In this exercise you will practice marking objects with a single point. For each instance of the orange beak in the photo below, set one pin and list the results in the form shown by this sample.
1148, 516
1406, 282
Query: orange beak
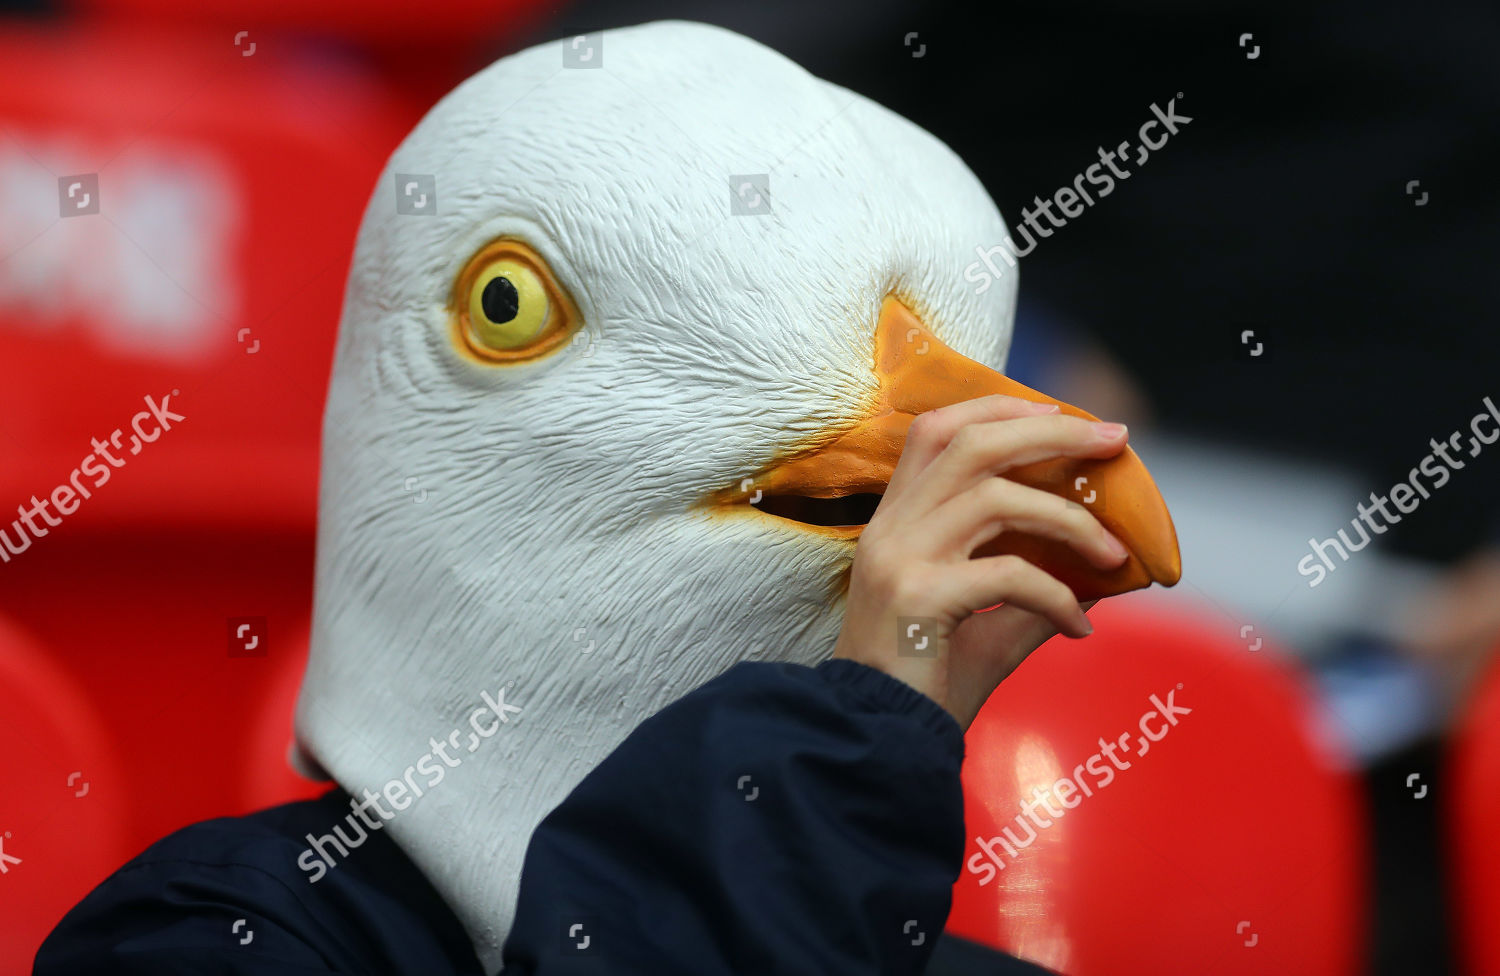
916, 372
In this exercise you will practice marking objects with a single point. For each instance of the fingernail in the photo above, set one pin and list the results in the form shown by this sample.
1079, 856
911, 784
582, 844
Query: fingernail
1116, 547
1109, 432
1088, 628
1041, 408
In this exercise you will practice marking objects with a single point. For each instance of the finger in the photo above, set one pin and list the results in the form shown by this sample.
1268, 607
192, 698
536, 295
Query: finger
982, 450
1017, 631
997, 505
1020, 631
1011, 627
1002, 640
1009, 579
930, 432
985, 649
1006, 629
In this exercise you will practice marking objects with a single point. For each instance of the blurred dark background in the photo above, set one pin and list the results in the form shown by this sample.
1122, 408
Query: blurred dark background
234, 147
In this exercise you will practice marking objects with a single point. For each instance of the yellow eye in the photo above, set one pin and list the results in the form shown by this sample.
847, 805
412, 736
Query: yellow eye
508, 307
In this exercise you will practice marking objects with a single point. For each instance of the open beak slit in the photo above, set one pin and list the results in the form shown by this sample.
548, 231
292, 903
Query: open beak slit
847, 511
835, 483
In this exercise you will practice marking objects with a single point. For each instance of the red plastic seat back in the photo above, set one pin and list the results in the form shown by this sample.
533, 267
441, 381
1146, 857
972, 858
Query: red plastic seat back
1203, 826
1473, 814
177, 225
459, 25
65, 805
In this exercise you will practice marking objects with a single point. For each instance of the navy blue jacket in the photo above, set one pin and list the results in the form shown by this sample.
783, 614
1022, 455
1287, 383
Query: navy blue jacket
779, 819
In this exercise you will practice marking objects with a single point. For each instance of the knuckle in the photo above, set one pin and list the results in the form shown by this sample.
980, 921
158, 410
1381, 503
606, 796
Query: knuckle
966, 441
1007, 441
878, 570
997, 493
904, 591
871, 550
1056, 593
1011, 568
928, 428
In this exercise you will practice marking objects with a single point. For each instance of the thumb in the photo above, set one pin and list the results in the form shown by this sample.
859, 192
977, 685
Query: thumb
988, 646
1008, 631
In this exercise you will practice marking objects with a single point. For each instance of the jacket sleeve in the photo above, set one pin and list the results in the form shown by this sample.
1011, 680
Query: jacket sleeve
779, 819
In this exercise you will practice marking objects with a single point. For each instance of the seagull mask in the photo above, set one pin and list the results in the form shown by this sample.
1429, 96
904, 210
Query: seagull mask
609, 409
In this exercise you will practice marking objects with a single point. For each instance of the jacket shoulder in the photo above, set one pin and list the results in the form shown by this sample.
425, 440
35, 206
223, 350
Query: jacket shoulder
239, 895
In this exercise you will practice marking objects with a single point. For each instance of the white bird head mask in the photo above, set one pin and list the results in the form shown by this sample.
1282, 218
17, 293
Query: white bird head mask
619, 302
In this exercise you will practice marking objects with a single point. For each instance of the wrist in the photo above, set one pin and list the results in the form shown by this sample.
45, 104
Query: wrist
875, 689
927, 676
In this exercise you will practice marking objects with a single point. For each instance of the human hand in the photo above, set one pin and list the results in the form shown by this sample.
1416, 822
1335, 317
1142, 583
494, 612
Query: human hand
948, 496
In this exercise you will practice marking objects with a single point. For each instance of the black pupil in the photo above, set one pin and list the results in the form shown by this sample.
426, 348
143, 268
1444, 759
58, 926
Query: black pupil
500, 300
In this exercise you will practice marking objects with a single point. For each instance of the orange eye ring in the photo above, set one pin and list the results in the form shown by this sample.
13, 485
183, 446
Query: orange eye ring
524, 332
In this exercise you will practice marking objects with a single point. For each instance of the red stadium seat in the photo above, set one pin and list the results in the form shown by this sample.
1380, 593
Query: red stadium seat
228, 193
1473, 816
209, 282
455, 24
65, 807
1206, 827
